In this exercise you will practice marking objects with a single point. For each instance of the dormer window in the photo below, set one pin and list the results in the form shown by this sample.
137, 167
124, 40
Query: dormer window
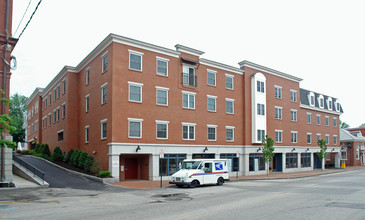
337, 105
311, 99
329, 103
321, 101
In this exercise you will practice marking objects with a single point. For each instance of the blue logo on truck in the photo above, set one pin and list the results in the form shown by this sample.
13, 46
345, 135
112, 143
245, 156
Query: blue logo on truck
218, 166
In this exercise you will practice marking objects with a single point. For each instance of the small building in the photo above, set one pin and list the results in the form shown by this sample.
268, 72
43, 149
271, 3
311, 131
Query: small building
352, 147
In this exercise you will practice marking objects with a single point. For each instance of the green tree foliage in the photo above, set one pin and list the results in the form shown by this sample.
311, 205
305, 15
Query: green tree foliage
57, 154
268, 150
69, 154
45, 150
82, 157
88, 163
37, 148
17, 108
75, 158
344, 125
322, 152
4, 124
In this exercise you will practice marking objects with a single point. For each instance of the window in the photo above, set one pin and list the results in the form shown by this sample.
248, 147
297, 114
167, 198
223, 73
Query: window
318, 119
357, 152
189, 77
261, 109
327, 120
229, 106
104, 92
327, 139
278, 92
212, 132
278, 112
50, 99
162, 66
334, 122
87, 80
212, 100
87, 103
309, 118
293, 95
309, 138
58, 113
135, 92
63, 110
293, 115
45, 103
260, 86
161, 129
256, 162
135, 128
87, 134
291, 160
311, 99
229, 133
278, 136
294, 137
234, 165
104, 62
318, 137
188, 100
343, 152
260, 135
170, 163
162, 95
329, 103
229, 81
103, 128
211, 77
58, 91
334, 139
60, 135
135, 60
54, 116
54, 94
63, 86
305, 159
49, 119
321, 101
188, 131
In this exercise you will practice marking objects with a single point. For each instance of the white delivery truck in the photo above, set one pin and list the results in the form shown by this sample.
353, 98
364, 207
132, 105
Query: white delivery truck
197, 172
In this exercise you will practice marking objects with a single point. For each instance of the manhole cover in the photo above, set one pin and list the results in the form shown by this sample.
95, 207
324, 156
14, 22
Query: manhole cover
172, 197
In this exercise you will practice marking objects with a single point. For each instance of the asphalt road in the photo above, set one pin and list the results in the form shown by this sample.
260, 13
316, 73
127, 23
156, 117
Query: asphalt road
332, 196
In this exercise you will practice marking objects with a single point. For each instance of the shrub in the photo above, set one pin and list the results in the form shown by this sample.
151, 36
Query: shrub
95, 167
104, 174
75, 157
69, 154
45, 150
27, 152
37, 148
82, 158
57, 154
88, 163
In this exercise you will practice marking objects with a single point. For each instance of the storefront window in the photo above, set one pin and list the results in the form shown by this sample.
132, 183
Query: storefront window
170, 163
291, 160
233, 162
256, 162
305, 159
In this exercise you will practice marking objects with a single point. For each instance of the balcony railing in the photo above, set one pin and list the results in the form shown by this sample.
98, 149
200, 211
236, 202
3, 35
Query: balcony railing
189, 79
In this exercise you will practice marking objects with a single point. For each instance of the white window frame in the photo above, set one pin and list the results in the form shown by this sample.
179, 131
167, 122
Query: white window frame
329, 103
278, 136
215, 132
343, 150
136, 53
327, 139
64, 110
87, 76
159, 88
279, 94
294, 137
102, 93
215, 77
140, 126
319, 136
230, 100
292, 91
167, 129
167, 66
63, 138
87, 134
261, 88
188, 125
310, 118
294, 115
327, 120
357, 152
102, 62
310, 97
320, 101
230, 128
279, 109
334, 121
334, 139
310, 139
215, 103
87, 103
189, 94
261, 137
318, 122
49, 119
63, 86
129, 90
231, 77
101, 129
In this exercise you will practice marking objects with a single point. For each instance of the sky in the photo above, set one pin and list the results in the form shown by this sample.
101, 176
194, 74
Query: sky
322, 42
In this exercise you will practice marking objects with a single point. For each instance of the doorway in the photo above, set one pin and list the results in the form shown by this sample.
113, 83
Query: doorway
131, 168
277, 163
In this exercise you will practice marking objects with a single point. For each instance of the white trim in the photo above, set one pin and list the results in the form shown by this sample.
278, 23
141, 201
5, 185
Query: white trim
167, 129
105, 53
162, 58
190, 93
135, 83
162, 88
139, 120
221, 66
215, 132
213, 71
59, 131
162, 122
135, 52
230, 127
215, 77
101, 129
310, 139
320, 110
104, 85
209, 125
212, 96
87, 127
215, 103
291, 133
281, 132
129, 91
103, 120
167, 95
135, 119
188, 123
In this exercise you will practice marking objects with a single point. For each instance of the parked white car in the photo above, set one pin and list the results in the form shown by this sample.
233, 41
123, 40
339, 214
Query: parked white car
197, 172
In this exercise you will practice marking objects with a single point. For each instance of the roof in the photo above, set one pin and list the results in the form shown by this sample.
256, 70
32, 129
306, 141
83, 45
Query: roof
305, 101
347, 136
33, 95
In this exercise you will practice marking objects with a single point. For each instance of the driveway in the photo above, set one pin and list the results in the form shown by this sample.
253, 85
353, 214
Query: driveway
58, 178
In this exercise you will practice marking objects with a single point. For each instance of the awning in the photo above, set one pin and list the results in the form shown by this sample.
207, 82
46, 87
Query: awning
33, 141
189, 61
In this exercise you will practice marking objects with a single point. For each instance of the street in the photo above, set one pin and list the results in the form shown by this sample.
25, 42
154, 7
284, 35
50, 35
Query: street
332, 196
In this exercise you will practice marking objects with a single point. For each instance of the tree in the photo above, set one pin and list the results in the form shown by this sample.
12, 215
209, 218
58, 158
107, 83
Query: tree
344, 125
322, 152
17, 108
4, 124
268, 150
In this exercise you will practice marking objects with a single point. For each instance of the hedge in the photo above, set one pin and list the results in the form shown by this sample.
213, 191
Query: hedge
57, 154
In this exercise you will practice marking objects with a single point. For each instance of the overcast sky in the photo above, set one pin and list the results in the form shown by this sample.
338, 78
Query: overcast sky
322, 42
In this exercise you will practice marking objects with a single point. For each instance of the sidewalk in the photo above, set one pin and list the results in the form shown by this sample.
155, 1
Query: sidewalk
149, 184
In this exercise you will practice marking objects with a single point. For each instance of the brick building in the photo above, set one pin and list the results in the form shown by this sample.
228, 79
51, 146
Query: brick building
352, 146
129, 103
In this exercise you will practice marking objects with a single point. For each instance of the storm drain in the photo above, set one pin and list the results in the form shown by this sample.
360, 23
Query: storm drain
171, 197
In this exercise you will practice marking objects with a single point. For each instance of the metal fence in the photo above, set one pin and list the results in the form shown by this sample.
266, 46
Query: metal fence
26, 165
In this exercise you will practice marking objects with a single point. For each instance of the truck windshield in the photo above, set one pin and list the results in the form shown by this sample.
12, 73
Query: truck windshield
190, 164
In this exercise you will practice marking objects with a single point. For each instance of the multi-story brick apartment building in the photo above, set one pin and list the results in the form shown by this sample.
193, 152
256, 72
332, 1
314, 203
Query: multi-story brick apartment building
138, 107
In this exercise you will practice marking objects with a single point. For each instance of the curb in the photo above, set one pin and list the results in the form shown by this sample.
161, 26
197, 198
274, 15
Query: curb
102, 180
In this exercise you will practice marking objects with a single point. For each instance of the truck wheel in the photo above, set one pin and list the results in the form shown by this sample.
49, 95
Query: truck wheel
194, 183
220, 181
